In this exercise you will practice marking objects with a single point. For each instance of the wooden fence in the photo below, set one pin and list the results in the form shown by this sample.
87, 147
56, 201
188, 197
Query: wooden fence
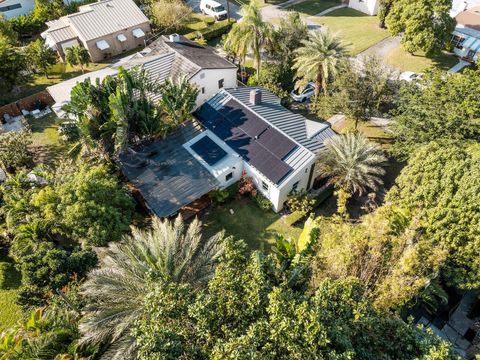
28, 103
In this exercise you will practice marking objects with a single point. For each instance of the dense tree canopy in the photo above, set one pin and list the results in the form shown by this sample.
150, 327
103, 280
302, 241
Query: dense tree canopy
425, 24
13, 71
438, 108
441, 185
40, 57
247, 313
14, 152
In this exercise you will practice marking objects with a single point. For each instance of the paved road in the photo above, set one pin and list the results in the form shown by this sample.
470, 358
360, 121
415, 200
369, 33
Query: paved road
234, 8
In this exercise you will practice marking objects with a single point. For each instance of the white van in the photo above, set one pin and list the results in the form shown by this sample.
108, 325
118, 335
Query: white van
213, 9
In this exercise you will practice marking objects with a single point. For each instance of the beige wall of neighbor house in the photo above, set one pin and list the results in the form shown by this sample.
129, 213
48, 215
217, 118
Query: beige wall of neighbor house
369, 7
116, 46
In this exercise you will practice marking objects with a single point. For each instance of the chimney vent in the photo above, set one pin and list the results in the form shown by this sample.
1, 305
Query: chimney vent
255, 97
174, 38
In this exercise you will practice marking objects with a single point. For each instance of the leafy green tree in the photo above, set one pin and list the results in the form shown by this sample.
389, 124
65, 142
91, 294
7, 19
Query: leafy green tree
252, 34
49, 269
425, 25
170, 254
246, 312
441, 186
86, 204
77, 55
40, 57
359, 94
383, 10
178, 100
13, 71
14, 152
318, 59
7, 32
352, 164
169, 15
439, 108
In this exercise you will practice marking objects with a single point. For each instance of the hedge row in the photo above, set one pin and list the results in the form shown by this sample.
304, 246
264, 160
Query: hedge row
213, 31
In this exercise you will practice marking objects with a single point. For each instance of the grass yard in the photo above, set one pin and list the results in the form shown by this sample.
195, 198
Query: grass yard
256, 227
313, 7
418, 63
371, 131
46, 145
357, 30
10, 312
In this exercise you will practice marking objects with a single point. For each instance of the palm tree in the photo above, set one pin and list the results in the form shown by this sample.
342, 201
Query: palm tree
318, 59
250, 34
178, 100
353, 165
77, 55
170, 252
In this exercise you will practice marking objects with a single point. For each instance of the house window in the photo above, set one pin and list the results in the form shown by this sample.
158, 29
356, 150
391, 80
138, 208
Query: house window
203, 90
202, 76
295, 186
220, 83
264, 186
229, 176
10, 7
457, 41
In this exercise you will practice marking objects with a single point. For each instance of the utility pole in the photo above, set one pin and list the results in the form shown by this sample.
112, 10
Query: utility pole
228, 11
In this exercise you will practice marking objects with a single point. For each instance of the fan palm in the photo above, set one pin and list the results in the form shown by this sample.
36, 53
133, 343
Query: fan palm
170, 252
250, 34
318, 59
352, 164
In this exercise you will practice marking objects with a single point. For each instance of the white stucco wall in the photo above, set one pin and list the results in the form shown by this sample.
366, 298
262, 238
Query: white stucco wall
26, 6
208, 80
369, 7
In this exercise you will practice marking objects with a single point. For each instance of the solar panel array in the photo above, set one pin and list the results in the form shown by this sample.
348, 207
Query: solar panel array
208, 150
255, 140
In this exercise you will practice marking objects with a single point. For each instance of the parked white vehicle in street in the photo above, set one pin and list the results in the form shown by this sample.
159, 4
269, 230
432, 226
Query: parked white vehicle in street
213, 9
306, 94
409, 76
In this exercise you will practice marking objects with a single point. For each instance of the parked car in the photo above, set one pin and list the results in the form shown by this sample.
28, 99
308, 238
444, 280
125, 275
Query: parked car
307, 92
213, 9
409, 76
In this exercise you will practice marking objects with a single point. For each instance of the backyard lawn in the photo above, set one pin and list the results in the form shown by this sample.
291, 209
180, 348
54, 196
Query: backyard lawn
357, 30
10, 312
418, 63
313, 7
371, 131
248, 222
46, 140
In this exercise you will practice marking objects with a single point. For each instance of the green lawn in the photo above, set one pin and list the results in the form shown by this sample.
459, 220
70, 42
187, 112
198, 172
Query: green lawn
248, 222
418, 63
313, 7
357, 30
372, 132
57, 73
10, 312
46, 144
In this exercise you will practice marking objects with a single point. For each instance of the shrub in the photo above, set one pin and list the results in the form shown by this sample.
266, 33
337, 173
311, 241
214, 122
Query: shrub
301, 202
212, 31
219, 196
246, 186
8, 275
262, 202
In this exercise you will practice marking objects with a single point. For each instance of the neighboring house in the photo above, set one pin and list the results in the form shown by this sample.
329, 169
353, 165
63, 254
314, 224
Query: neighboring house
369, 7
12, 8
105, 28
466, 37
167, 57
239, 131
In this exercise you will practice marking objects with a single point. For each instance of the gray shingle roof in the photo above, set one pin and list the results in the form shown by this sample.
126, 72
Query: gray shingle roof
166, 174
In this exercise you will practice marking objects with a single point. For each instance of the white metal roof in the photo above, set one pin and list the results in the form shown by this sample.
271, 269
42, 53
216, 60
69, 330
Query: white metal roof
105, 17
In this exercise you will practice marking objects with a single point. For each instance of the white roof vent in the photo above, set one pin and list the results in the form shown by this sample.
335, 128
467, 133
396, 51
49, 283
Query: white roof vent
174, 38
255, 96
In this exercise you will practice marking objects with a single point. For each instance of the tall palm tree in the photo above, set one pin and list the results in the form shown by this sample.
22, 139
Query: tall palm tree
250, 34
77, 55
169, 251
318, 59
352, 164
178, 100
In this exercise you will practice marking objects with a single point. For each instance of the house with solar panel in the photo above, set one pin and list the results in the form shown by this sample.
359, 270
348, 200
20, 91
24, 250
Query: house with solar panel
239, 131
466, 37
105, 28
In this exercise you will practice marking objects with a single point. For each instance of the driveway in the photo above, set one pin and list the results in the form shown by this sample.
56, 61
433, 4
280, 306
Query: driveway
382, 48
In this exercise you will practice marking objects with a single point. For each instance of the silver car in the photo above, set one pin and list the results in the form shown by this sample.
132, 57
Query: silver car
306, 94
